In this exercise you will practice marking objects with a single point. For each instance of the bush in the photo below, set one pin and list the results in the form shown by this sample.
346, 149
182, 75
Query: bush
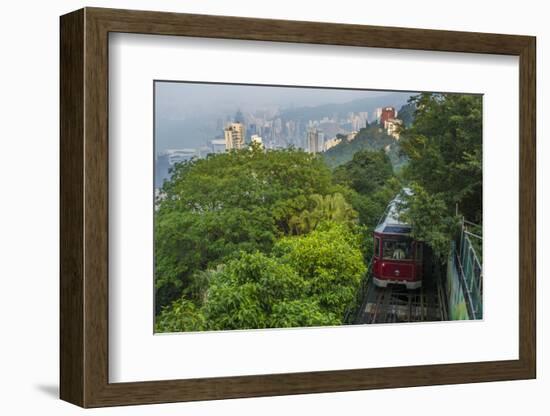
308, 280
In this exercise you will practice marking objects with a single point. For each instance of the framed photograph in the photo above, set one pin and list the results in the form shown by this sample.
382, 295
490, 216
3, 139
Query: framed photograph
254, 207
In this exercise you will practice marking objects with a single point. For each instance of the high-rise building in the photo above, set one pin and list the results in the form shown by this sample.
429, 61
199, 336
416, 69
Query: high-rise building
252, 129
378, 113
239, 117
234, 135
162, 169
388, 113
315, 141
219, 124
393, 127
356, 122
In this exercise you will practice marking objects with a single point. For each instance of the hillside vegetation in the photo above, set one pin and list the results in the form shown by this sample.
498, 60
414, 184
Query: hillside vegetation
372, 137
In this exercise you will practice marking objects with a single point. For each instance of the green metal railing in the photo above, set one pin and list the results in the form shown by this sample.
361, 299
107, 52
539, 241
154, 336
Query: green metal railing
468, 251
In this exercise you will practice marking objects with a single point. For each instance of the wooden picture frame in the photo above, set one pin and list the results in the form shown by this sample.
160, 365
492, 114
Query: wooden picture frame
84, 207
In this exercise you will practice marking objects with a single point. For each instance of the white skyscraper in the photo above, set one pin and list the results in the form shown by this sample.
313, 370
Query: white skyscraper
256, 139
378, 113
234, 135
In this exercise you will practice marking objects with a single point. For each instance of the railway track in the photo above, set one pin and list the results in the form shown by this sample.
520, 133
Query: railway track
397, 304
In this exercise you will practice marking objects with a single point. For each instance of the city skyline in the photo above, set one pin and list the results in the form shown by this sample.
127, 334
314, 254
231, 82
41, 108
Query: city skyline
187, 115
270, 116
297, 217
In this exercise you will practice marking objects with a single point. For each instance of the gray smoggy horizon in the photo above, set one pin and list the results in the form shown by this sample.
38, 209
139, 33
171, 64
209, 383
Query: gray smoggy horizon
188, 114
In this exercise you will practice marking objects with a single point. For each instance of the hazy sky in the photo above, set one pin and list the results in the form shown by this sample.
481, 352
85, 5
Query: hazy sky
176, 100
186, 112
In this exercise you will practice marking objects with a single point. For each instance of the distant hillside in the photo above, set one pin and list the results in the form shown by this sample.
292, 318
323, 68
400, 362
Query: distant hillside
370, 138
364, 104
406, 114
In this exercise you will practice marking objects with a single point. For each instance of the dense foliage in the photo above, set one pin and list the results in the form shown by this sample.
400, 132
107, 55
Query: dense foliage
307, 281
373, 138
406, 114
333, 207
444, 149
231, 231
214, 208
370, 184
366, 172
262, 239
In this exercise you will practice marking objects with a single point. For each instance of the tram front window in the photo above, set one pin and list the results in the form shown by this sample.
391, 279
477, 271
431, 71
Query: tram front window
397, 250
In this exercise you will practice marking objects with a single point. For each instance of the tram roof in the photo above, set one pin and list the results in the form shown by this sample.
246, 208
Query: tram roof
390, 223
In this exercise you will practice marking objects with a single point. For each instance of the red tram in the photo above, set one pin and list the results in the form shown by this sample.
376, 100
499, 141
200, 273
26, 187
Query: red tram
398, 258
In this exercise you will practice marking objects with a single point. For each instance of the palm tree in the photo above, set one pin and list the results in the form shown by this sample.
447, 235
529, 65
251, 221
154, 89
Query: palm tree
332, 207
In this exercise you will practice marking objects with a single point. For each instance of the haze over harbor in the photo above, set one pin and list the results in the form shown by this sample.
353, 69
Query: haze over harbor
187, 115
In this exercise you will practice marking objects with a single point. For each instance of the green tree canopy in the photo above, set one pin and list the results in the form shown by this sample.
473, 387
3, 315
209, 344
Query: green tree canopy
332, 207
430, 218
368, 184
444, 148
308, 280
215, 207
331, 262
366, 172
372, 137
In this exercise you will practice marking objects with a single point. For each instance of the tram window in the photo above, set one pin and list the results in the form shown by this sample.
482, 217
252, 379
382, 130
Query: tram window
397, 250
377, 247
